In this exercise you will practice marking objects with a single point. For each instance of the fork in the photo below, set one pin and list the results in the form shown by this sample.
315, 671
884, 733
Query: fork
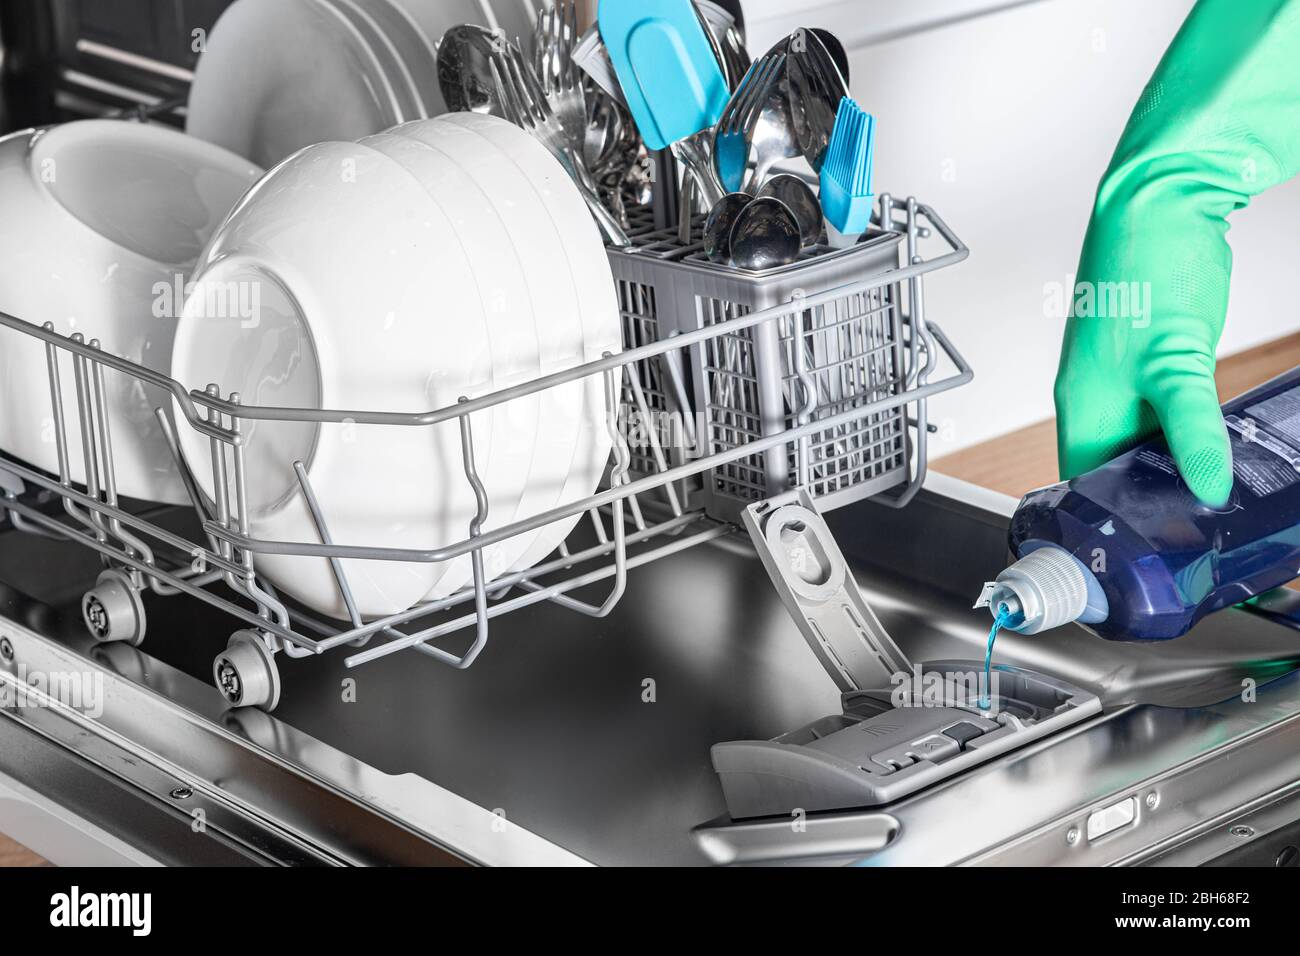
527, 107
561, 80
735, 129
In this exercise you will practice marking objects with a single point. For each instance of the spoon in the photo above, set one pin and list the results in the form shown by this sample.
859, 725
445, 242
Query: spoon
773, 136
836, 49
802, 202
465, 72
816, 87
719, 224
765, 235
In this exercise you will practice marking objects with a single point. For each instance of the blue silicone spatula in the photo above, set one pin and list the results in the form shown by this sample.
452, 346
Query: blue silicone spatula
671, 78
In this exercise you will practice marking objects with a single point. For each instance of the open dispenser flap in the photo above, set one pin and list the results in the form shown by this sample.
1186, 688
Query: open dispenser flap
817, 587
904, 726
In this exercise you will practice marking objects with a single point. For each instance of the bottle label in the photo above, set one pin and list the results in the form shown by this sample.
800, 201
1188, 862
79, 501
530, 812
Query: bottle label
1262, 462
1266, 443
1265, 440
1281, 413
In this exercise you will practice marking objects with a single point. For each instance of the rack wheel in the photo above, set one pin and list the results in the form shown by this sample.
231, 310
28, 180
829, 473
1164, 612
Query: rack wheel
246, 674
113, 611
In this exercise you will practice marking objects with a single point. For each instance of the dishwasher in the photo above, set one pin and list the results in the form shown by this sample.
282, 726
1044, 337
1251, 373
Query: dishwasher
701, 674
724, 663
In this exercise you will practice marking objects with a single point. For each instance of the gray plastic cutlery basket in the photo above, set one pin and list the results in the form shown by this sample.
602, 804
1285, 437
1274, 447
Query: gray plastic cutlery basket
811, 364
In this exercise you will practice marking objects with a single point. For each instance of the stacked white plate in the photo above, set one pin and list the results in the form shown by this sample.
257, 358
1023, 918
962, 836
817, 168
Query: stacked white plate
441, 259
278, 75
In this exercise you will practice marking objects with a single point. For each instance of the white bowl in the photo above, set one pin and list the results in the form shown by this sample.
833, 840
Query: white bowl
364, 306
103, 221
418, 281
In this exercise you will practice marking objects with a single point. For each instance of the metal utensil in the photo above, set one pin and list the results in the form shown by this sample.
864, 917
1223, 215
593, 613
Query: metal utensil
735, 129
622, 170
528, 108
592, 58
816, 87
728, 43
801, 200
765, 236
603, 132
464, 71
560, 81
773, 138
719, 224
836, 49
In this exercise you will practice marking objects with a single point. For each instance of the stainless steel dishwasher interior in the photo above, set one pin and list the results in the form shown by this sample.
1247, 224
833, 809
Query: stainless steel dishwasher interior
595, 734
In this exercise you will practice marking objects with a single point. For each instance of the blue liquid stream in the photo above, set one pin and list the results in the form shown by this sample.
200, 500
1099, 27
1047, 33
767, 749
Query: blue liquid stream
999, 622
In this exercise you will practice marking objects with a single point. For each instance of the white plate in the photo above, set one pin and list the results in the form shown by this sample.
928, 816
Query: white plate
278, 75
436, 17
389, 71
364, 306
559, 306
541, 248
417, 52
597, 309
485, 229
103, 220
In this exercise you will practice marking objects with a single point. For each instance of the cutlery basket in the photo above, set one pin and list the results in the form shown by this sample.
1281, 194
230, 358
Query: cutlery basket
813, 363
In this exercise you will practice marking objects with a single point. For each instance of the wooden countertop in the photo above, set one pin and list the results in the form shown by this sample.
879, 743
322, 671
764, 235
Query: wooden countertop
13, 854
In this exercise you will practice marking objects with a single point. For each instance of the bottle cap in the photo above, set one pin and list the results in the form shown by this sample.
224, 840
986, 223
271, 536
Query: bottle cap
1046, 588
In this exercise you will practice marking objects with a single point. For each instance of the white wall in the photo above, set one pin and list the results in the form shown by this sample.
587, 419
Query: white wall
1004, 123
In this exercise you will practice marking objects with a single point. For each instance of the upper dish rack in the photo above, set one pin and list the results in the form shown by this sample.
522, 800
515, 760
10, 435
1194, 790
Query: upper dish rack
807, 384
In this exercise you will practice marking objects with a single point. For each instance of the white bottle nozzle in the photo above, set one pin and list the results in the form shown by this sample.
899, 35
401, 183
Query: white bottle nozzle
1047, 588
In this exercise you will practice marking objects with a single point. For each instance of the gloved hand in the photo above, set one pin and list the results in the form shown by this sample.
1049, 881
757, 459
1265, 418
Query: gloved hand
1218, 123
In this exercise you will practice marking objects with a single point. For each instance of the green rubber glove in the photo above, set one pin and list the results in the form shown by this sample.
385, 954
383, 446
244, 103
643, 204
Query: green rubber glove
1218, 123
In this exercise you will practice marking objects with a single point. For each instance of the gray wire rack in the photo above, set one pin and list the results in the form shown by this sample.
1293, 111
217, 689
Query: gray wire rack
639, 514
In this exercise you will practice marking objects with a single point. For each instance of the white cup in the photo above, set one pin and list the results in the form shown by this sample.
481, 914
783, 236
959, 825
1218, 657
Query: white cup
103, 220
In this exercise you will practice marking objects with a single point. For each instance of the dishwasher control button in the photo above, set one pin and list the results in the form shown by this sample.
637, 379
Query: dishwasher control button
892, 760
936, 747
963, 733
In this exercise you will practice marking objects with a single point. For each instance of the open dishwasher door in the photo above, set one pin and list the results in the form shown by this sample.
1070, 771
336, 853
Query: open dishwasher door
576, 739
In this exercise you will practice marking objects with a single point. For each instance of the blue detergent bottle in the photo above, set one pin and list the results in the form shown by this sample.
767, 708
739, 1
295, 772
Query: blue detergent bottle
1129, 551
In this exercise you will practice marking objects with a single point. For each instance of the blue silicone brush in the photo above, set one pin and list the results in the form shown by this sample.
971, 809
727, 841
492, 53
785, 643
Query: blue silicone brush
846, 175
